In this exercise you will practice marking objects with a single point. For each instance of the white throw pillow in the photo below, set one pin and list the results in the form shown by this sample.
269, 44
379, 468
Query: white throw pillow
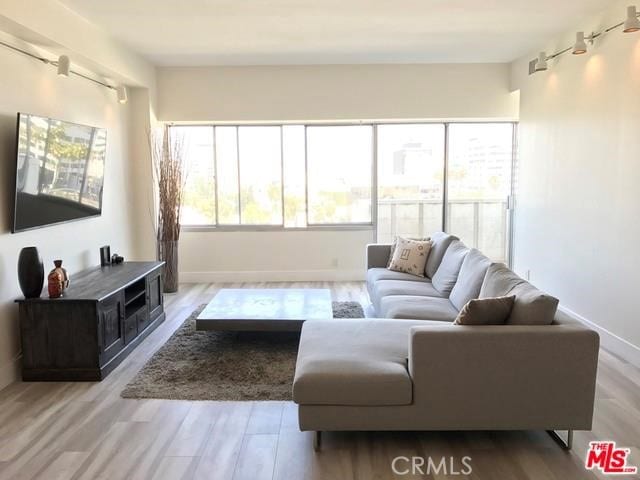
410, 256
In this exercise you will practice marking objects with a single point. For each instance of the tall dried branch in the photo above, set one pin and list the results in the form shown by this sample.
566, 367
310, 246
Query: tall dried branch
167, 153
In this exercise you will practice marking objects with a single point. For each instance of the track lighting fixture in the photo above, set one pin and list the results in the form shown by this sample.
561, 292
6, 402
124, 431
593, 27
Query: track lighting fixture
580, 46
121, 90
64, 66
541, 64
630, 25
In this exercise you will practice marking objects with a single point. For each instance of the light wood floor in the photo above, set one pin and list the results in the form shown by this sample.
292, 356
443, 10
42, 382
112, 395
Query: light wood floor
86, 431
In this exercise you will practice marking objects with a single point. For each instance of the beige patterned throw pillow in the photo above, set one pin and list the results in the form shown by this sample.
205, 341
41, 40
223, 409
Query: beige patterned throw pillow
410, 256
395, 241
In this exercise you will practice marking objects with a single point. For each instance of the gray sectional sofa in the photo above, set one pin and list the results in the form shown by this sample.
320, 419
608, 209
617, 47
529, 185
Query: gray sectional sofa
413, 369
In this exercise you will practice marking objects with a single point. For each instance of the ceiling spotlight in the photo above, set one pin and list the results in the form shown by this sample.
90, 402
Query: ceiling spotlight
580, 46
64, 66
541, 65
121, 90
632, 23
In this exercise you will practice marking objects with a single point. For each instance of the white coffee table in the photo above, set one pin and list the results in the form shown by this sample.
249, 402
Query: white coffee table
265, 309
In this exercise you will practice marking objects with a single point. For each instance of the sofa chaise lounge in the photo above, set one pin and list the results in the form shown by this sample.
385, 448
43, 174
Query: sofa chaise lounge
414, 369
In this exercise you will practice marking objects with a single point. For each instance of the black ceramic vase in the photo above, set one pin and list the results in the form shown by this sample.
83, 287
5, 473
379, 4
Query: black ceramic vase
30, 272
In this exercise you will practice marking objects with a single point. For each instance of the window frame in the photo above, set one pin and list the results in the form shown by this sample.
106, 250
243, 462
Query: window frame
374, 124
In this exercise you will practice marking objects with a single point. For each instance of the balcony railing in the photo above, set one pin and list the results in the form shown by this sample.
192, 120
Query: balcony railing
482, 224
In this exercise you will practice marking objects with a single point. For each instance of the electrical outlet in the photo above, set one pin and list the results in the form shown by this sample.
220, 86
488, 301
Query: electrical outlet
334, 262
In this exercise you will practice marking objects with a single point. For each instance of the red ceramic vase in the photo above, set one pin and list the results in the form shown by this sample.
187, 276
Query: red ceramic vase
58, 280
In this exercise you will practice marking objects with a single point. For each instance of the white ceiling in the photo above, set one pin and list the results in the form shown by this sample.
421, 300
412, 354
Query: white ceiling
278, 32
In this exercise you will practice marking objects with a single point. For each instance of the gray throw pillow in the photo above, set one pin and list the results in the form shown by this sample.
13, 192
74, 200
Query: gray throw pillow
470, 279
532, 306
447, 274
485, 311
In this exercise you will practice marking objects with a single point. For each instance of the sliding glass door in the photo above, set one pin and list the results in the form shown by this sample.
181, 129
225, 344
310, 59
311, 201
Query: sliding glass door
410, 180
479, 179
455, 177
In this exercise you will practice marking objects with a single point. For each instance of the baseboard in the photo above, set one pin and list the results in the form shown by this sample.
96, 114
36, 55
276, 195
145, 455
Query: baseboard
610, 341
274, 276
11, 372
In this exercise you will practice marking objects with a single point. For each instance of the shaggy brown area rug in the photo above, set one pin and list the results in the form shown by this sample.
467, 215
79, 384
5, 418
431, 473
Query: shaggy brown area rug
198, 365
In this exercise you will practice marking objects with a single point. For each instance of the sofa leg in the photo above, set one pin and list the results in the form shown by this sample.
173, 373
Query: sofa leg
566, 445
317, 438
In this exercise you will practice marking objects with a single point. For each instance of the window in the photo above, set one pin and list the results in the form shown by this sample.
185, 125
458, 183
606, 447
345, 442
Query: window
295, 185
339, 174
290, 176
260, 154
226, 159
428, 177
199, 203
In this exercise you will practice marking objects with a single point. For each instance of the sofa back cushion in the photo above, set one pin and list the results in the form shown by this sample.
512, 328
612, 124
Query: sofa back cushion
531, 306
440, 242
470, 279
498, 281
447, 274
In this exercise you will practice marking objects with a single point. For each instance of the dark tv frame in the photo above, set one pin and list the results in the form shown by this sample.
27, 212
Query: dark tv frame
15, 177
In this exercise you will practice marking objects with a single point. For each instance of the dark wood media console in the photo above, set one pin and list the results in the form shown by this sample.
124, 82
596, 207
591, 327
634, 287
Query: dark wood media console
102, 317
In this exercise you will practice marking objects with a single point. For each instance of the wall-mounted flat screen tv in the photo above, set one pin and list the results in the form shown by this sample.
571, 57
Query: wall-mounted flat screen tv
59, 172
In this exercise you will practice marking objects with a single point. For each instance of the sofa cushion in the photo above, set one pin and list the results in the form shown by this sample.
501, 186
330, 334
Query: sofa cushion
447, 274
353, 362
485, 311
384, 288
374, 275
499, 281
532, 306
415, 307
470, 279
410, 256
440, 242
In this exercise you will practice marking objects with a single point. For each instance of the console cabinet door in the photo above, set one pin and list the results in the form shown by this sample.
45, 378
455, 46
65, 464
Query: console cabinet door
111, 327
154, 294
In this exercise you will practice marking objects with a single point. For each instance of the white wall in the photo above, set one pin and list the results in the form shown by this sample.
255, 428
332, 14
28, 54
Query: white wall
316, 93
578, 202
29, 86
335, 92
26, 85
273, 256
54, 26
141, 122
